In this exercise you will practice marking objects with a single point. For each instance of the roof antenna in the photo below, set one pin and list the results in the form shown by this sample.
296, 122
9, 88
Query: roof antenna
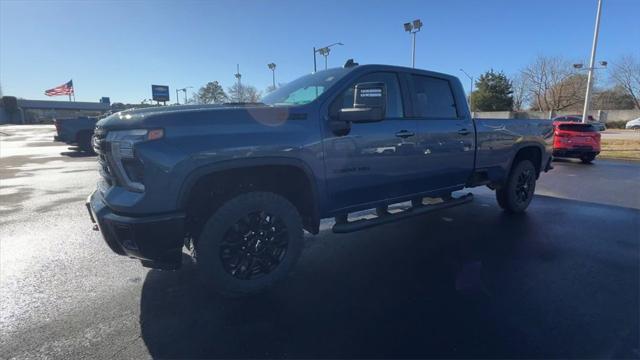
350, 63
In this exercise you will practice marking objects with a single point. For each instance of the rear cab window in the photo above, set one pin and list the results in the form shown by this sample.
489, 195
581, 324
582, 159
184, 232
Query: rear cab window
433, 98
577, 127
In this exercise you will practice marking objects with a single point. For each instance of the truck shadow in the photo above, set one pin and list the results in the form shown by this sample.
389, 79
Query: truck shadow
76, 152
351, 296
425, 287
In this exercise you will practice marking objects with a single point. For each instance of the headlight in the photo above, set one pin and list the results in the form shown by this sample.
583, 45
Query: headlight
128, 168
125, 139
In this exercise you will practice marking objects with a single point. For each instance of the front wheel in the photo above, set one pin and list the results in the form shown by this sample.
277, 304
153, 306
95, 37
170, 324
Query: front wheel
251, 242
516, 194
84, 142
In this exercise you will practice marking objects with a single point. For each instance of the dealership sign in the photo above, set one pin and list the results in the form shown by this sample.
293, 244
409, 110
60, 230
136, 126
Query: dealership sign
160, 92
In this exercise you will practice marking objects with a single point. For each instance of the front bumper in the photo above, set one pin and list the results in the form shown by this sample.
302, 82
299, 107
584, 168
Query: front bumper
155, 240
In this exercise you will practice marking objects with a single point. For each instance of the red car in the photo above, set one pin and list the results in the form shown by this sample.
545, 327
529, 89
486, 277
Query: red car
576, 140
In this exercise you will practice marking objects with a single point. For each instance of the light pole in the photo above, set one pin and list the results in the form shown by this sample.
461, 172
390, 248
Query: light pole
184, 90
239, 90
587, 97
324, 51
470, 85
272, 67
412, 28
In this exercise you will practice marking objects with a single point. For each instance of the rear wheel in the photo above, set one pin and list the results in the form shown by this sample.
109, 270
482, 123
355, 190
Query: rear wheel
516, 194
251, 242
587, 159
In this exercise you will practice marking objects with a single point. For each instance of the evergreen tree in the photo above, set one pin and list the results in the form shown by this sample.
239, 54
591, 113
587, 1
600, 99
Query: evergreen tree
493, 93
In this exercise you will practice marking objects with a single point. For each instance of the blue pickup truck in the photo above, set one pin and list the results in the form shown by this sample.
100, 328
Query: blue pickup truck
237, 184
76, 131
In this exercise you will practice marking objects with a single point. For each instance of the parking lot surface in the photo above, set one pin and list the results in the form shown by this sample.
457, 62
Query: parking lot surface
561, 280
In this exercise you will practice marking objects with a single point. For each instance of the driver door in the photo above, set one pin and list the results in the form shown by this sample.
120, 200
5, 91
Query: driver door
374, 161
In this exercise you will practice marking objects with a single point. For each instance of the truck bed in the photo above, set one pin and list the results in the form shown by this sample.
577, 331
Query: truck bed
498, 140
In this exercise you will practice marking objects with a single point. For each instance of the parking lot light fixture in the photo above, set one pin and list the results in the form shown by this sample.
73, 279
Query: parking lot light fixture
272, 67
184, 90
324, 51
412, 28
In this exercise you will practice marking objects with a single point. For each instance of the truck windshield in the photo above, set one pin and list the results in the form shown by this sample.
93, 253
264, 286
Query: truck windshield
305, 89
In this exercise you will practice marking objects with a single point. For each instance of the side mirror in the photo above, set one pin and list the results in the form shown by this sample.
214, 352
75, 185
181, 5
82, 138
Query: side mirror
369, 101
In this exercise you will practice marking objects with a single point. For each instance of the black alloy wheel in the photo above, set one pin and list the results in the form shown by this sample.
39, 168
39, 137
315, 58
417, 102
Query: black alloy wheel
525, 185
254, 246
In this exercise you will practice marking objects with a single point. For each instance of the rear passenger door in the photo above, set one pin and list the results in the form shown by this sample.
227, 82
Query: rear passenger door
446, 138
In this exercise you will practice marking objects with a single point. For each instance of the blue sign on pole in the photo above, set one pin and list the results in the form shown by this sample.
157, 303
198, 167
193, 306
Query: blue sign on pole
160, 92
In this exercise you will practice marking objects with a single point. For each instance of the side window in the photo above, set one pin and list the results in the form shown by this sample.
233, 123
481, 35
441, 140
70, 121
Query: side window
394, 97
433, 98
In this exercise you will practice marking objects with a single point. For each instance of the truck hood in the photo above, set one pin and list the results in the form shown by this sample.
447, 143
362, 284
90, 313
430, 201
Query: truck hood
185, 115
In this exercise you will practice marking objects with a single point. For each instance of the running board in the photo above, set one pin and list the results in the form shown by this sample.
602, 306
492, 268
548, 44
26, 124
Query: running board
411, 212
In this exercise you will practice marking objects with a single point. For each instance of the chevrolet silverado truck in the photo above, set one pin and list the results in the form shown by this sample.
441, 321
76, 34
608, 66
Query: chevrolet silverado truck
76, 131
237, 184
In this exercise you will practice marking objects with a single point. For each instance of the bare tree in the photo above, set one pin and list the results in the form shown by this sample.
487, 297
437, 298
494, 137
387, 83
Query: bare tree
625, 73
553, 84
520, 88
243, 93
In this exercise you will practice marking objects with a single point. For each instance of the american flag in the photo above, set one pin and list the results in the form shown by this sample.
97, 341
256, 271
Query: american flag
64, 89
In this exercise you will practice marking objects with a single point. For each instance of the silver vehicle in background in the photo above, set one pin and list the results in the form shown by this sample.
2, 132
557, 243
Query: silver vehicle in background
633, 124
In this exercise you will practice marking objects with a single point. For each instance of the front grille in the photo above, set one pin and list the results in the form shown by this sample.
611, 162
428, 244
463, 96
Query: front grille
102, 148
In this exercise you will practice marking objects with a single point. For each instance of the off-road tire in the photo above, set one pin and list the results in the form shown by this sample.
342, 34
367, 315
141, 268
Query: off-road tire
208, 251
84, 142
587, 159
510, 196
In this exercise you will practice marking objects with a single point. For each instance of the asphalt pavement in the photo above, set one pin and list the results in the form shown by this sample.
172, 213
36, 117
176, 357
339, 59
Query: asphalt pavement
562, 280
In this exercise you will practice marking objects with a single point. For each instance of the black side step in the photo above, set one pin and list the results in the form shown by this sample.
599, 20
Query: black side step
414, 211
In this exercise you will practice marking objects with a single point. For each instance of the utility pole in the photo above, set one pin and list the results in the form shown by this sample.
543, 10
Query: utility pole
587, 98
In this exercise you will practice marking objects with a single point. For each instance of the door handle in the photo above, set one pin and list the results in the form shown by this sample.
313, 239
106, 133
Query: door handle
464, 132
405, 134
